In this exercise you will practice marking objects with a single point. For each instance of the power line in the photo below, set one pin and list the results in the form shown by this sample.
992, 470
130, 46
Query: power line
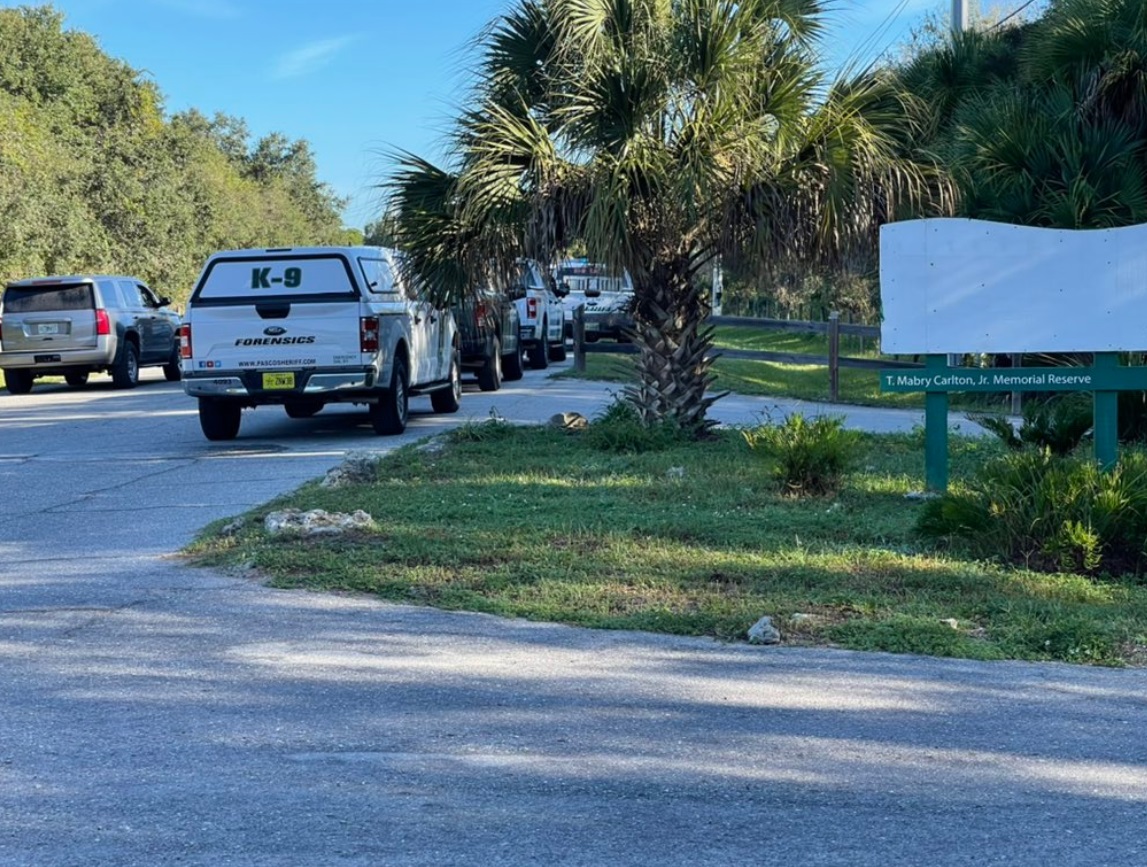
877, 35
1009, 17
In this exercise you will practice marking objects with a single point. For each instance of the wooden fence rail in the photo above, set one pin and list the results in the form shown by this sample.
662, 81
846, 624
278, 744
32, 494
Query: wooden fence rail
834, 328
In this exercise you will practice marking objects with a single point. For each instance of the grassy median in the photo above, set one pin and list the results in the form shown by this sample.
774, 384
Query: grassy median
691, 539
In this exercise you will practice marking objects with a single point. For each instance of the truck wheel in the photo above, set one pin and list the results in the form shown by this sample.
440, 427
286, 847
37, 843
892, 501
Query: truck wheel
219, 418
449, 399
558, 350
388, 416
490, 376
539, 353
125, 372
18, 381
512, 368
171, 371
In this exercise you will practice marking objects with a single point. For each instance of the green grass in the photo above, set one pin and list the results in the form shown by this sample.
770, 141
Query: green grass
797, 381
691, 540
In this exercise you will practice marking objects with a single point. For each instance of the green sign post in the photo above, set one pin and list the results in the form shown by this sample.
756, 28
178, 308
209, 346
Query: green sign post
1106, 378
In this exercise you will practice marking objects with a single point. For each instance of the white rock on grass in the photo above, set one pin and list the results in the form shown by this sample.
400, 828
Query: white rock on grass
316, 522
763, 632
358, 468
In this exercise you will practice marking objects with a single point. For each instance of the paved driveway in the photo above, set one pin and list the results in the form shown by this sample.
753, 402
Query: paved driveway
157, 714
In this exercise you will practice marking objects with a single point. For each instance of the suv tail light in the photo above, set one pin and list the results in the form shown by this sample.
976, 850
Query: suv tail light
532, 308
482, 311
103, 324
368, 334
185, 340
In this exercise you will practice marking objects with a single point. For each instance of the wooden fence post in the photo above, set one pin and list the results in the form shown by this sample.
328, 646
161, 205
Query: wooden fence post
579, 338
834, 356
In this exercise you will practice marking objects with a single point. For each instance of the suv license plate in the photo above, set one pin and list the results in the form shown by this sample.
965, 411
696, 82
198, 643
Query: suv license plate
47, 328
278, 380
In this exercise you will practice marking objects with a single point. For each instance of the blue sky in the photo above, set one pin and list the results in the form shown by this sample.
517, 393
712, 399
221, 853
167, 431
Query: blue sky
353, 77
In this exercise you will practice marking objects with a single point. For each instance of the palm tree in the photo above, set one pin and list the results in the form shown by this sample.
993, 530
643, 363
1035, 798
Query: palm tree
661, 134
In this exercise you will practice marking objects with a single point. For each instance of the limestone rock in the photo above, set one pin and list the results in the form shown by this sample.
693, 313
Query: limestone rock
316, 522
358, 468
763, 632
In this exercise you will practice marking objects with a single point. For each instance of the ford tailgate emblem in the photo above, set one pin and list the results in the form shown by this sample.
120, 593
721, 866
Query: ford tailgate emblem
274, 331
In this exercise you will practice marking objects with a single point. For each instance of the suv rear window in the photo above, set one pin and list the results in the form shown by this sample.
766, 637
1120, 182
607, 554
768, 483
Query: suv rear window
258, 278
46, 299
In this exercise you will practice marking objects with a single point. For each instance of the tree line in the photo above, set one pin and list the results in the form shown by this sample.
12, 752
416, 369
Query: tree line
94, 177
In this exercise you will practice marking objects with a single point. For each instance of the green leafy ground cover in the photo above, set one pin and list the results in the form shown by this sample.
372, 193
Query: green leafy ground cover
694, 539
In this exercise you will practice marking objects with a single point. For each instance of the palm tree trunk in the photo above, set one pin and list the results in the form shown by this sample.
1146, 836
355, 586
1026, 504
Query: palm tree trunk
673, 368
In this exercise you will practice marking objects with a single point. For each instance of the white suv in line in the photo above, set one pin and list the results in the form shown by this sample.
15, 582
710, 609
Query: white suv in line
306, 326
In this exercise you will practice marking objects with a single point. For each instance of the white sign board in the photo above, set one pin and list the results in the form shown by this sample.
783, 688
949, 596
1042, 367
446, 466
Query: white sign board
956, 286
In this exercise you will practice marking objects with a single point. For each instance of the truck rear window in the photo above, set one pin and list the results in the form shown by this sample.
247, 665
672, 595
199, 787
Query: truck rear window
257, 279
46, 299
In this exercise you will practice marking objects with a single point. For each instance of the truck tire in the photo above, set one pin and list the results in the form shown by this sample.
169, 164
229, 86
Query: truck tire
558, 350
219, 418
490, 376
539, 353
171, 371
512, 367
449, 399
125, 372
388, 416
18, 381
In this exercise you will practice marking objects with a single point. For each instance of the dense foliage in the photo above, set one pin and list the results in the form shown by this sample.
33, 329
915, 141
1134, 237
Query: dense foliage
1049, 513
1044, 123
95, 177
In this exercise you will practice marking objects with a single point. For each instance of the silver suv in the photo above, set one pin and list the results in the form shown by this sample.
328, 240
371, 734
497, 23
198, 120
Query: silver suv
73, 326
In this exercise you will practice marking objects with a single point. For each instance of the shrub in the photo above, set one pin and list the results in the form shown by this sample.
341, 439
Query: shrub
492, 429
1049, 513
620, 429
1059, 424
810, 457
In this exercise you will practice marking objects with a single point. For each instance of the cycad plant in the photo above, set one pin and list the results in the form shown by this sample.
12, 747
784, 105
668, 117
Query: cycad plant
661, 134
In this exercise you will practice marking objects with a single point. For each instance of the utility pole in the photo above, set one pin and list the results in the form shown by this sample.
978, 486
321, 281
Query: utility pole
961, 18
962, 14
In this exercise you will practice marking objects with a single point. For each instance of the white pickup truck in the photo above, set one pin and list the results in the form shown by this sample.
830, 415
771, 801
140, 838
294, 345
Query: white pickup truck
306, 326
539, 302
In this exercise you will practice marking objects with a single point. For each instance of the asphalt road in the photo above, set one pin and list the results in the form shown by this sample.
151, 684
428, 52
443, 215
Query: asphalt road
157, 714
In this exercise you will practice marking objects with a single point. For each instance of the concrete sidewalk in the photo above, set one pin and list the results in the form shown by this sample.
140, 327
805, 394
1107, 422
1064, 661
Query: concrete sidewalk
522, 403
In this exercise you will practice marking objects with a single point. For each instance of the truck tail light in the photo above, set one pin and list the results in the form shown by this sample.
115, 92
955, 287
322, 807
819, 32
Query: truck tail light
185, 340
482, 311
368, 334
531, 308
103, 324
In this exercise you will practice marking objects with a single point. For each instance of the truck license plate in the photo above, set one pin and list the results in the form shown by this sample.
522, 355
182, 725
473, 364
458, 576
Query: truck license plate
278, 380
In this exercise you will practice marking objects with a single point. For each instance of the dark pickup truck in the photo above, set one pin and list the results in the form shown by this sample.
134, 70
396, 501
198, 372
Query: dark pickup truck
488, 328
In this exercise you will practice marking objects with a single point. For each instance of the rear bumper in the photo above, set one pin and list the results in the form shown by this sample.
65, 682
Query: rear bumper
328, 385
47, 360
603, 325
